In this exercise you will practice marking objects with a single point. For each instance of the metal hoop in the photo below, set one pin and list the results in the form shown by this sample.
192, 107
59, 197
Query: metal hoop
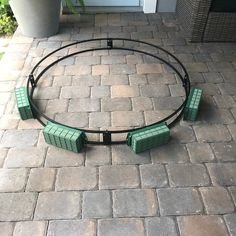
107, 134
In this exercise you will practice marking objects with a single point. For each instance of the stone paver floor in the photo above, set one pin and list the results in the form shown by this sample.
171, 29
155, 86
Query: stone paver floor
186, 188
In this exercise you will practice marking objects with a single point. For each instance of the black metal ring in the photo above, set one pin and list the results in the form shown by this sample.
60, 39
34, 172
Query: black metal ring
183, 76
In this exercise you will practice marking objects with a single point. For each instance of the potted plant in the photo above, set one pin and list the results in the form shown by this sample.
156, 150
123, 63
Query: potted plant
40, 18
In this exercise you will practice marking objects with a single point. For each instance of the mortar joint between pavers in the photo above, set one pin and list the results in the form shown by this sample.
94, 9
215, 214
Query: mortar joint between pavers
176, 224
44, 156
231, 197
55, 179
80, 213
223, 219
167, 174
27, 178
46, 227
208, 174
35, 205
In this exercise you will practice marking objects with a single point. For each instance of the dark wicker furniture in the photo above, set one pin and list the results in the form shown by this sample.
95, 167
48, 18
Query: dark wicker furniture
208, 20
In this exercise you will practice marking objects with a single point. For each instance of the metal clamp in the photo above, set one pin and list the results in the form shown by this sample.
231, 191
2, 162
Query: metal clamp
32, 81
107, 138
110, 43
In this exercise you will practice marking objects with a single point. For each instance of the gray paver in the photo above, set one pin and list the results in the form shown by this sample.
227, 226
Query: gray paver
225, 101
179, 201
9, 122
137, 79
71, 227
19, 138
57, 157
153, 176
116, 104
225, 151
212, 133
202, 225
84, 105
117, 227
222, 173
170, 153
97, 204
17, 206
122, 69
76, 178
47, 93
154, 116
167, 103
127, 119
142, 104
184, 175
56, 106
182, 134
12, 180
213, 77
233, 193
75, 92
85, 80
100, 92
161, 79
211, 115
78, 70
62, 80
51, 205
155, 91
120, 176
231, 222
26, 157
162, 225
6, 229
114, 80
124, 155
216, 200
98, 155
99, 119
77, 119
200, 152
124, 91
29, 228
41, 179
125, 203
176, 90
113, 60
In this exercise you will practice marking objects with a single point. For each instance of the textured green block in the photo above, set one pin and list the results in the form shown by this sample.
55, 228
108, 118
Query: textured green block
64, 137
148, 137
193, 103
23, 104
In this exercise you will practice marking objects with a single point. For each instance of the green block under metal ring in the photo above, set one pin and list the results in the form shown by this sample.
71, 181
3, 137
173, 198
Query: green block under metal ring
148, 137
23, 104
64, 137
193, 103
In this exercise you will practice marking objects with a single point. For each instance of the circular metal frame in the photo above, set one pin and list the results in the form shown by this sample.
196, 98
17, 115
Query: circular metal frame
107, 134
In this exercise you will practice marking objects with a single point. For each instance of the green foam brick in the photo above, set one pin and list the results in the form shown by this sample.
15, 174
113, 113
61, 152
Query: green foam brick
64, 137
193, 103
148, 137
23, 104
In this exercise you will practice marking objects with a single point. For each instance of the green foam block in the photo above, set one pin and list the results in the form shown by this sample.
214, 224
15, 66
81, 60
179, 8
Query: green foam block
22, 102
193, 103
148, 137
64, 137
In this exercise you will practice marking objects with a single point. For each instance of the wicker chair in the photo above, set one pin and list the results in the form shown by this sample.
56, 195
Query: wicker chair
204, 23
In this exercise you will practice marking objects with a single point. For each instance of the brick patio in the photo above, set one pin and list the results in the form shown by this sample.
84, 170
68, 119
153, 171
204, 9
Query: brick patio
187, 187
